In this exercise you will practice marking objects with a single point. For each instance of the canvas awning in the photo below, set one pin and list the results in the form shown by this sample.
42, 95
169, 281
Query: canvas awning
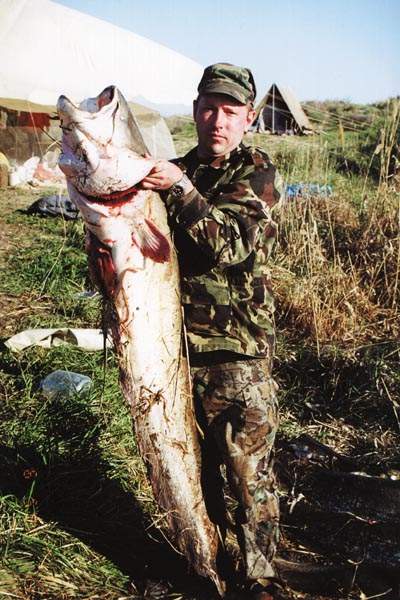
47, 49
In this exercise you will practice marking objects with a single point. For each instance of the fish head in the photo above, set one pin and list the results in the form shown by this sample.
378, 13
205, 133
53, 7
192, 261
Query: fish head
102, 147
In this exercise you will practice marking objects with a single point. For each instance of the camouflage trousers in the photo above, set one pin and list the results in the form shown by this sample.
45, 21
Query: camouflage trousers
237, 410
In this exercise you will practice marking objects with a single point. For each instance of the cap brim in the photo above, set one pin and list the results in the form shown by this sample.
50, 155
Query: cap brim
233, 91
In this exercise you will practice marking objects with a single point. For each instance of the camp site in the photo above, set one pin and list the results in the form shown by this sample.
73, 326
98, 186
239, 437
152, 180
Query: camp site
80, 510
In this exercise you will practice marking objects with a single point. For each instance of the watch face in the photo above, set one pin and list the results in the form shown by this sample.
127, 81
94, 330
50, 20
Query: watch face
178, 189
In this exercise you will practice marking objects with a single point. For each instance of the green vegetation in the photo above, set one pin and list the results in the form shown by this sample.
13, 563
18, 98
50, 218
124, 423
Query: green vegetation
368, 136
77, 515
327, 114
183, 132
52, 271
336, 275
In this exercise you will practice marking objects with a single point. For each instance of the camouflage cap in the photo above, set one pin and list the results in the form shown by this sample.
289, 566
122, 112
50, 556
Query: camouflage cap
224, 78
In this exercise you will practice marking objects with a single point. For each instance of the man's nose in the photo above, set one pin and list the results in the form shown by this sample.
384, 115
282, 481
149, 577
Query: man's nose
219, 118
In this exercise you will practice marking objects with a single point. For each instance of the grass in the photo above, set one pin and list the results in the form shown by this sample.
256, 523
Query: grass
58, 476
336, 274
77, 515
51, 272
43, 562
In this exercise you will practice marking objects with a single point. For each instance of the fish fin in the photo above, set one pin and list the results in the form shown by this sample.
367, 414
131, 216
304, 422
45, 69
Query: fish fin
152, 242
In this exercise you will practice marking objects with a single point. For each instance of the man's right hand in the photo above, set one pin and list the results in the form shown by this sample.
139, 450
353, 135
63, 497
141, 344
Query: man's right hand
162, 176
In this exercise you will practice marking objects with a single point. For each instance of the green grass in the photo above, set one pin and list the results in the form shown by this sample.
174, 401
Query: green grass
71, 479
50, 271
39, 560
53, 263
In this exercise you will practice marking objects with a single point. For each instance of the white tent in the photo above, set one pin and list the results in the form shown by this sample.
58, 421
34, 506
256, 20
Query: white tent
47, 49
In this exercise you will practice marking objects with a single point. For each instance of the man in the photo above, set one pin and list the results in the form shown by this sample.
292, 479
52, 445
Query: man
219, 199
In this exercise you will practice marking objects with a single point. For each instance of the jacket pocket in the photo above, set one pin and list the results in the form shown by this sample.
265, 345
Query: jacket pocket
207, 306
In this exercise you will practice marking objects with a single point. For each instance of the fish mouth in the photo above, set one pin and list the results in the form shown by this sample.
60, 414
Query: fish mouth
120, 197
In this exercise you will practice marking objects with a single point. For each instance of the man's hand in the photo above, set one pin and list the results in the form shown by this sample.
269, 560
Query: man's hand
162, 176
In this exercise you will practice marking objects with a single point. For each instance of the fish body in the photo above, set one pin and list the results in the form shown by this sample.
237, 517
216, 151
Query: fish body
133, 262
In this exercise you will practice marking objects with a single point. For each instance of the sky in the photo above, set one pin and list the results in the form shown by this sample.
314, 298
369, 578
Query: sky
321, 49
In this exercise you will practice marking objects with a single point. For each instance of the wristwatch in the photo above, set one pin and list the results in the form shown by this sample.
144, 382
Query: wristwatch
181, 187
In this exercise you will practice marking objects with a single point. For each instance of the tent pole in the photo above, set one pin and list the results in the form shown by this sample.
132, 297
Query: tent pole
273, 109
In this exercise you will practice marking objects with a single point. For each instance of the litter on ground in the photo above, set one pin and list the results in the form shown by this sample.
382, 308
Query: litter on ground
307, 190
55, 205
87, 339
65, 383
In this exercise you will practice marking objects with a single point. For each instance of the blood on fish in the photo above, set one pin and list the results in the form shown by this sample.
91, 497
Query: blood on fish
115, 198
164, 249
105, 97
102, 265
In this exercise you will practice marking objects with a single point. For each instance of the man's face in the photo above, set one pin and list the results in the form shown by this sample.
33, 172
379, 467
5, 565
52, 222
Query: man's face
221, 122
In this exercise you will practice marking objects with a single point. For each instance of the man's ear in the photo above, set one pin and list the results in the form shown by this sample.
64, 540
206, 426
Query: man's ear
250, 118
194, 109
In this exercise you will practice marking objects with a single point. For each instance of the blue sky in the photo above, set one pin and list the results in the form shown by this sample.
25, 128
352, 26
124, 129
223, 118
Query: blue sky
332, 49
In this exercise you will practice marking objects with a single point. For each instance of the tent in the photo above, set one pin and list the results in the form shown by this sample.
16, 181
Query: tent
47, 49
280, 112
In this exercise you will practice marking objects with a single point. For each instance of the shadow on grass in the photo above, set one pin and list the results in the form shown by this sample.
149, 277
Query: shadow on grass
69, 482
340, 530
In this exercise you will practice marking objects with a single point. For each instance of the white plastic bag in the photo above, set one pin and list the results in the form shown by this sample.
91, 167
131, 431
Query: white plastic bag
24, 173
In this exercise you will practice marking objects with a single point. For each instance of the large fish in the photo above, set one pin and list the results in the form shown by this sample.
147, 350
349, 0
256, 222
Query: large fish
132, 260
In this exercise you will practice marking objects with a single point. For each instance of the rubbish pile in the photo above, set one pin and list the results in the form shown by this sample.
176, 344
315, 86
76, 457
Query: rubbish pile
65, 383
87, 339
36, 171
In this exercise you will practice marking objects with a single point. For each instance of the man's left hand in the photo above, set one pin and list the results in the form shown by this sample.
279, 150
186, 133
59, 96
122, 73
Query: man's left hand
162, 176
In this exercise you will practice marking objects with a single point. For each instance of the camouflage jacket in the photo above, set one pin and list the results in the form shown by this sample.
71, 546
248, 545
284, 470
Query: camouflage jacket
224, 232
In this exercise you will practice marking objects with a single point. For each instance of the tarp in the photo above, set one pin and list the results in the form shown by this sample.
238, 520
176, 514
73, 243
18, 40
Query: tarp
47, 49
